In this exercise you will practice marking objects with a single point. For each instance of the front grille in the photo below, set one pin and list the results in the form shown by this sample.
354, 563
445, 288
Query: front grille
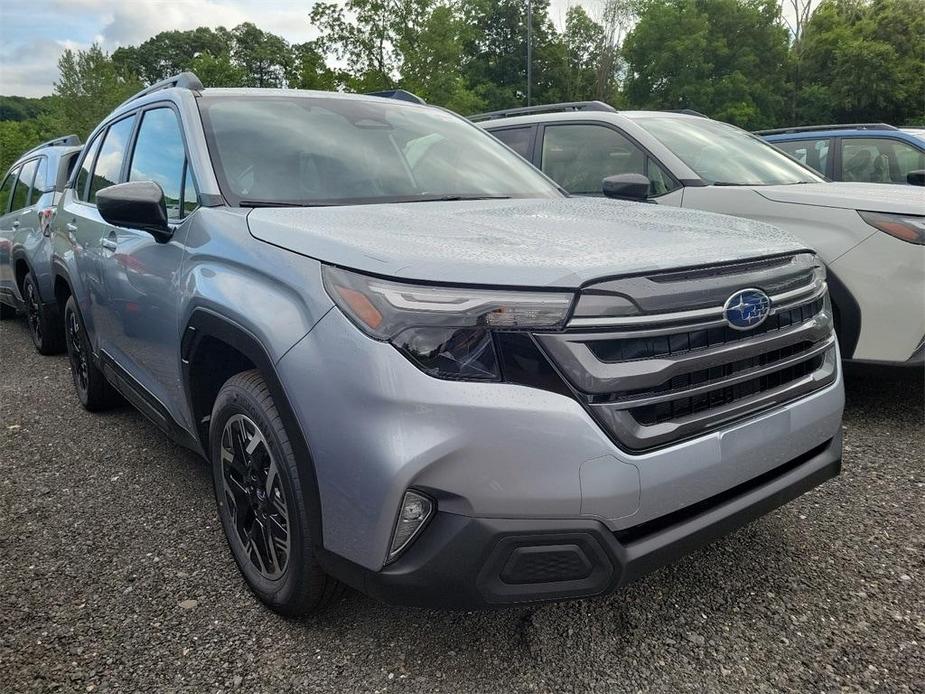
654, 378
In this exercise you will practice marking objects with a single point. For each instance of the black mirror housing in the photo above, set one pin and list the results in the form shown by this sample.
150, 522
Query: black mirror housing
630, 186
916, 178
136, 205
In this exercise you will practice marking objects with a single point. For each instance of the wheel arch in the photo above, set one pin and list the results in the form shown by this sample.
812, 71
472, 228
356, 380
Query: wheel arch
207, 331
847, 315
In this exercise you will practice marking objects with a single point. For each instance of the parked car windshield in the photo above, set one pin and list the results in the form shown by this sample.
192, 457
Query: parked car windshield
722, 154
301, 150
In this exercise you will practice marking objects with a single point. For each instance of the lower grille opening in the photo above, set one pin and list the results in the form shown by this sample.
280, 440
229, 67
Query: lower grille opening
656, 525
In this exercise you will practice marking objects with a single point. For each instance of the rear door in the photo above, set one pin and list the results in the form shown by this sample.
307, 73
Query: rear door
140, 273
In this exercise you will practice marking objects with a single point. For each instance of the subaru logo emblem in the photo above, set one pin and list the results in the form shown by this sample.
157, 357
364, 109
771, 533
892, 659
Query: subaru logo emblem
746, 309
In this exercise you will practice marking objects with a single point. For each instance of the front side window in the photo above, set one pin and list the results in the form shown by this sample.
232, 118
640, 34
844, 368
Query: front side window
343, 151
879, 160
517, 139
83, 176
580, 156
159, 156
6, 190
23, 185
108, 169
38, 183
722, 154
813, 153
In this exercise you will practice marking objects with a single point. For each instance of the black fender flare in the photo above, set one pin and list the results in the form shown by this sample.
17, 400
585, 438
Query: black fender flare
204, 323
847, 314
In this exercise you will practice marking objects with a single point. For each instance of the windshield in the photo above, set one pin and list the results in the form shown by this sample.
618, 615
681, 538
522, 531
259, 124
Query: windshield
299, 150
722, 154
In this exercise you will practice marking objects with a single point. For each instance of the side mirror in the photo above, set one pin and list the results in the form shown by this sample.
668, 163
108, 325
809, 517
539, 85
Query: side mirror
916, 178
136, 205
630, 186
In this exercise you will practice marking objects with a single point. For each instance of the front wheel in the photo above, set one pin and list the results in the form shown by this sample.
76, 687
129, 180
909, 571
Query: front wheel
47, 334
261, 501
92, 389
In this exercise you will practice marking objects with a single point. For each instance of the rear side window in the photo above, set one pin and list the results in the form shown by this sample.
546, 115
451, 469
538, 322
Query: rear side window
878, 160
23, 186
6, 191
108, 168
813, 153
159, 156
80, 187
517, 139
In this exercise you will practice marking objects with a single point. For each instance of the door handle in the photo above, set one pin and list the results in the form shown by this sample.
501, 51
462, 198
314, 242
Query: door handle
16, 224
108, 244
70, 227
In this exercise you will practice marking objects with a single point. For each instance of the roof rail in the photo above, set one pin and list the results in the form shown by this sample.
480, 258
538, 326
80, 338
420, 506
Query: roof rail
689, 112
185, 80
841, 126
548, 108
400, 94
66, 141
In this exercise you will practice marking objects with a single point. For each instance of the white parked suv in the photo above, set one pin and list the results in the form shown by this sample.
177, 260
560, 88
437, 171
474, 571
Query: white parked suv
871, 236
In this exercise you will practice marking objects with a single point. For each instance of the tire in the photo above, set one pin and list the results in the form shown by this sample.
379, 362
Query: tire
7, 312
259, 493
46, 332
93, 391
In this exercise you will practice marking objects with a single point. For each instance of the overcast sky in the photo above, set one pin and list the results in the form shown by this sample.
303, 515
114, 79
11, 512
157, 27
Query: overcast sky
33, 33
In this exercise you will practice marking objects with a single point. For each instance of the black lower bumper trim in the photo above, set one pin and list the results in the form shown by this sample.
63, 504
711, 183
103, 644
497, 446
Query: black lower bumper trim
469, 563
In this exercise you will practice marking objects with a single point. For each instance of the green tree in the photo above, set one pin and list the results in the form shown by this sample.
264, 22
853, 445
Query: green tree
16, 136
171, 52
308, 70
584, 46
725, 58
89, 86
217, 70
264, 58
863, 61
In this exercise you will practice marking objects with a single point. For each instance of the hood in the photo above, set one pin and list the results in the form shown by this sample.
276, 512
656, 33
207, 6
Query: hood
873, 197
540, 243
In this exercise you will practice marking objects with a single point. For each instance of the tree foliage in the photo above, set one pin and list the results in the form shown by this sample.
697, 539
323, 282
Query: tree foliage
736, 60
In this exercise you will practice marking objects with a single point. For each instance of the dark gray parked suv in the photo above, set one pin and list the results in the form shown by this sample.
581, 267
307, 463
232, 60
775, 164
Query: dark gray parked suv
29, 194
420, 369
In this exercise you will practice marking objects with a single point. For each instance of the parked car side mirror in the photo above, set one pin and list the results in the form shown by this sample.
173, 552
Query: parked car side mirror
916, 178
630, 186
136, 205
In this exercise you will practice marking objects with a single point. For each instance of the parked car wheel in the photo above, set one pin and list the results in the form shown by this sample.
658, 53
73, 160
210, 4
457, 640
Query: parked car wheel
93, 391
261, 502
47, 333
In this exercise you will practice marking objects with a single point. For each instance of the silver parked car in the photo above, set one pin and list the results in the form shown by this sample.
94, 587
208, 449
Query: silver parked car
29, 193
417, 367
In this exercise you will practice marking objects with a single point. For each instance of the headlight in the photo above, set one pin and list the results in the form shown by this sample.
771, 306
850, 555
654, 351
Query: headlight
905, 227
445, 331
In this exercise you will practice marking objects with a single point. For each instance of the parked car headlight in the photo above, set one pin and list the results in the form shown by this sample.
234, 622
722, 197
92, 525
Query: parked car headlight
445, 331
906, 227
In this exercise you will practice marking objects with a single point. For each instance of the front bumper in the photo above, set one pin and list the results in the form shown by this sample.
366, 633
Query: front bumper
467, 563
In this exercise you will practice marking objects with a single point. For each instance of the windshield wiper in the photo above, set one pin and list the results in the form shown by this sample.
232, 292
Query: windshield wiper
455, 198
730, 183
282, 203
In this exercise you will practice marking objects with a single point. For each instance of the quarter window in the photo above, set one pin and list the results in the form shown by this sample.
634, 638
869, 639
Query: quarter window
6, 191
879, 160
23, 185
108, 168
190, 196
38, 184
159, 156
580, 157
813, 153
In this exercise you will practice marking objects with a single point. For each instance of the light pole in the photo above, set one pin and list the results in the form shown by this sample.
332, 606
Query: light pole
529, 50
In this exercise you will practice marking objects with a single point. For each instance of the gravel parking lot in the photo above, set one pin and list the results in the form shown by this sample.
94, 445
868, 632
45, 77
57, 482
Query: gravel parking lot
115, 577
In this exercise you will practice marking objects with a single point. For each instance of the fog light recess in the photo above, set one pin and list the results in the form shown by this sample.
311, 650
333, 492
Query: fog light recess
416, 509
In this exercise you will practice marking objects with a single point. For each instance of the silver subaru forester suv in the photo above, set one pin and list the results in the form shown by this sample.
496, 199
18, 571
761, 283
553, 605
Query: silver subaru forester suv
420, 369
